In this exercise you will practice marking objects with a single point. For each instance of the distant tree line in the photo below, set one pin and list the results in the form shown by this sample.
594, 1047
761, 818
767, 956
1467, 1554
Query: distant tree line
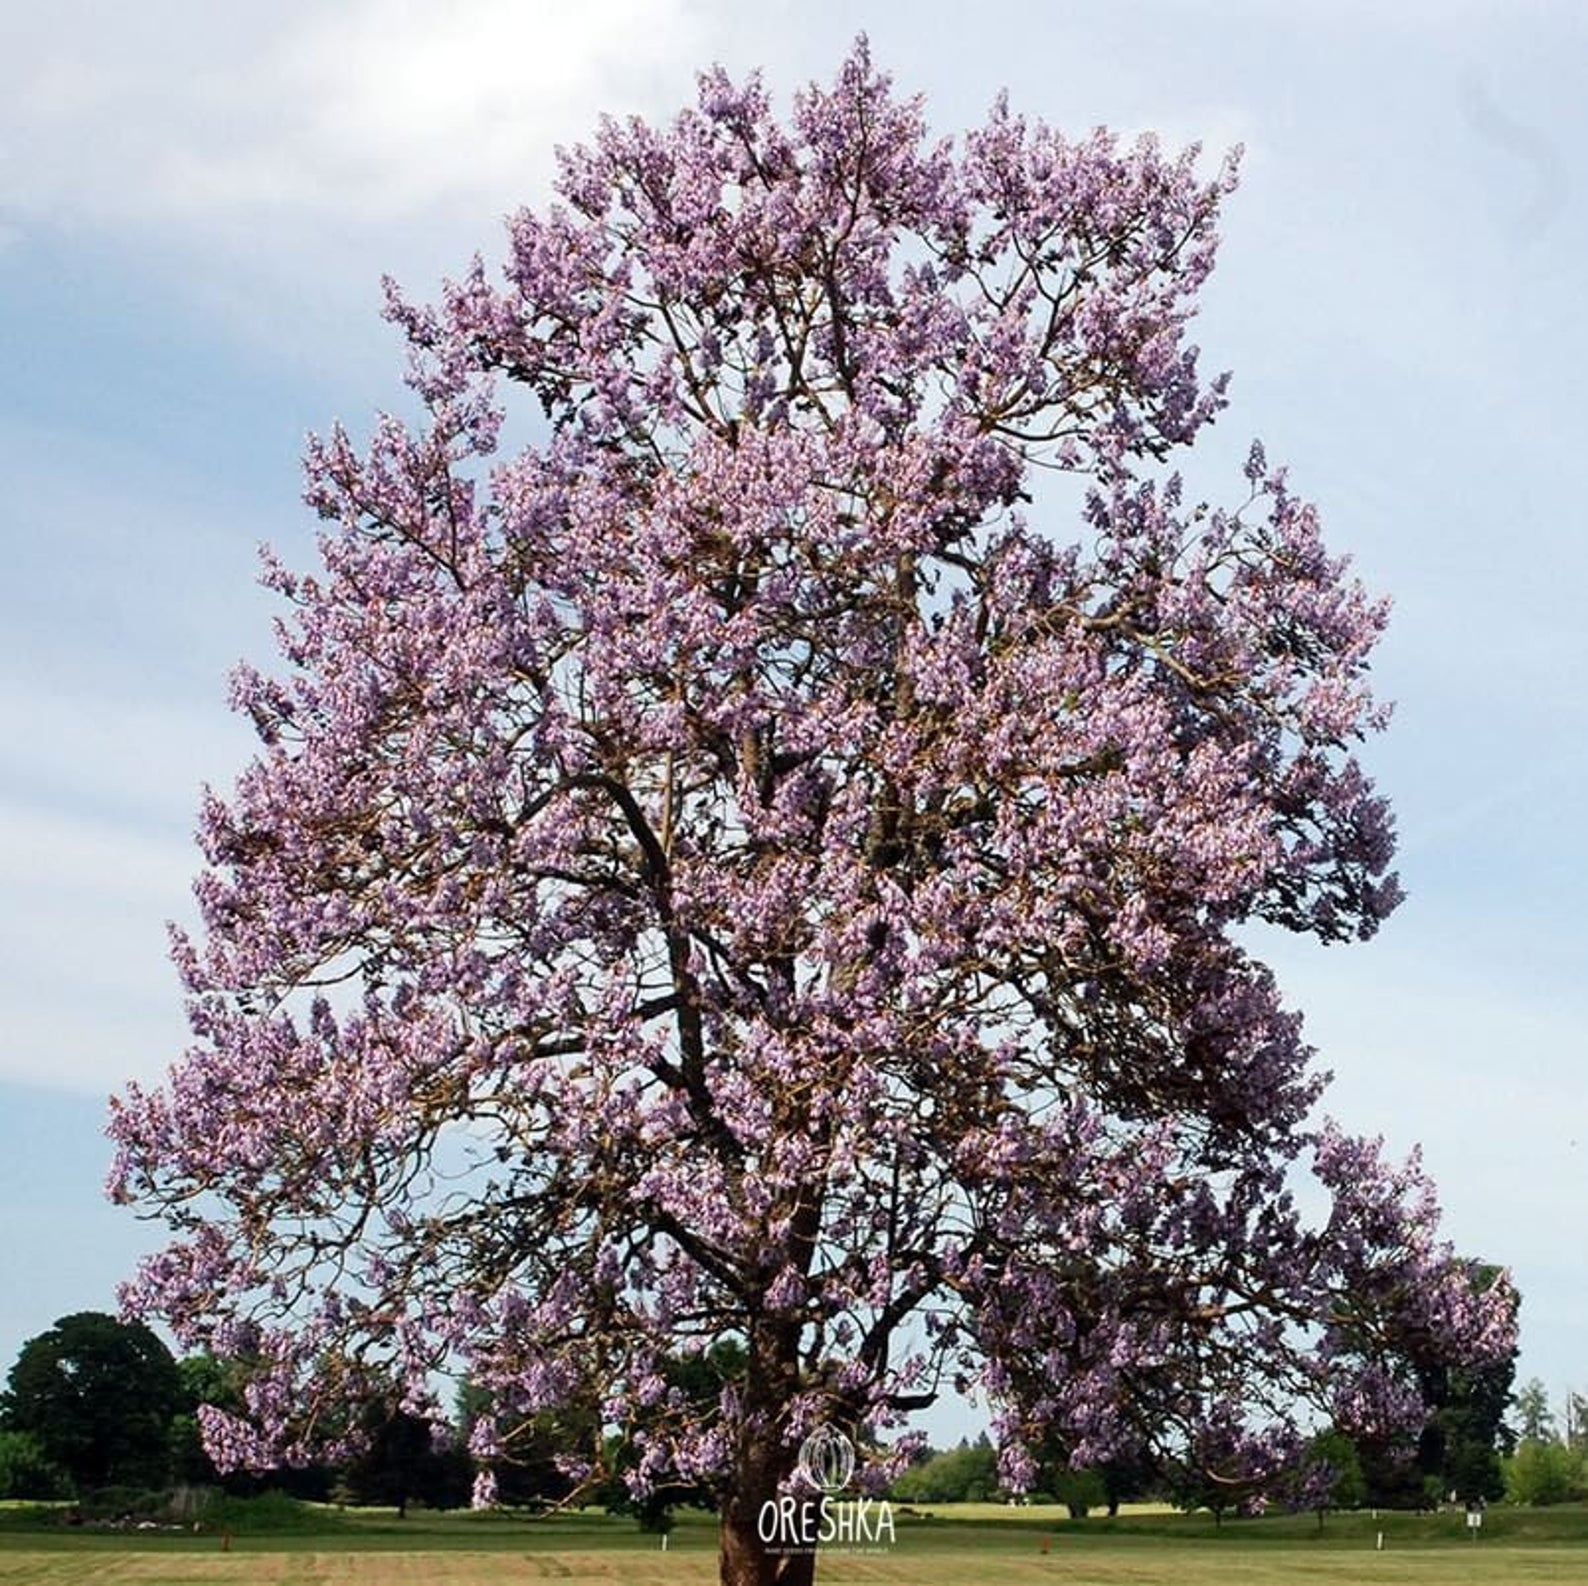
1550, 1462
96, 1404
1466, 1453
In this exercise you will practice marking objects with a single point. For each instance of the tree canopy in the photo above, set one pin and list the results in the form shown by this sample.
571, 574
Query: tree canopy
97, 1397
1535, 1420
755, 863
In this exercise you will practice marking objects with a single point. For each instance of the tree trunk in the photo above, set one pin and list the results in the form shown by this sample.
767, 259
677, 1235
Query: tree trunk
746, 1560
768, 1536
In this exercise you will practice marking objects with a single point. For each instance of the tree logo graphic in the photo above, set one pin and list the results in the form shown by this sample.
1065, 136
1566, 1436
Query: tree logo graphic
827, 1460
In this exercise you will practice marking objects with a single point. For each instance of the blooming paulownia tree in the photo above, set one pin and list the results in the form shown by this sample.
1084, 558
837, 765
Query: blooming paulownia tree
726, 871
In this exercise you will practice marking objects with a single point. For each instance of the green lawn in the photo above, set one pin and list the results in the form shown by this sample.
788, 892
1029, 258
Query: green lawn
957, 1546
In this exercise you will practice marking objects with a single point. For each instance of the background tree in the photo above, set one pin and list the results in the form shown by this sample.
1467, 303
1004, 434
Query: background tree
97, 1396
1128, 1477
204, 1380
724, 872
531, 1469
1535, 1420
967, 1474
1544, 1472
214, 1384
1330, 1477
408, 1458
1575, 1431
1080, 1491
1192, 1484
26, 1471
1459, 1445
1129, 1474
694, 1386
1465, 1436
1470, 1435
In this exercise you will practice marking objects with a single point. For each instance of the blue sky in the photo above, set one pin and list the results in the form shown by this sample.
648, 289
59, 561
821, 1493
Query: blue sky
196, 205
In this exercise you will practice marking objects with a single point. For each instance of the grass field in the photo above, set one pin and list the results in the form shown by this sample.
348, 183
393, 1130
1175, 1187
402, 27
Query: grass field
960, 1545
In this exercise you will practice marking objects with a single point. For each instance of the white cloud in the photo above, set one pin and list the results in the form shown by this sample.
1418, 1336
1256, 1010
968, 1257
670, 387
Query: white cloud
208, 115
411, 105
272, 161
